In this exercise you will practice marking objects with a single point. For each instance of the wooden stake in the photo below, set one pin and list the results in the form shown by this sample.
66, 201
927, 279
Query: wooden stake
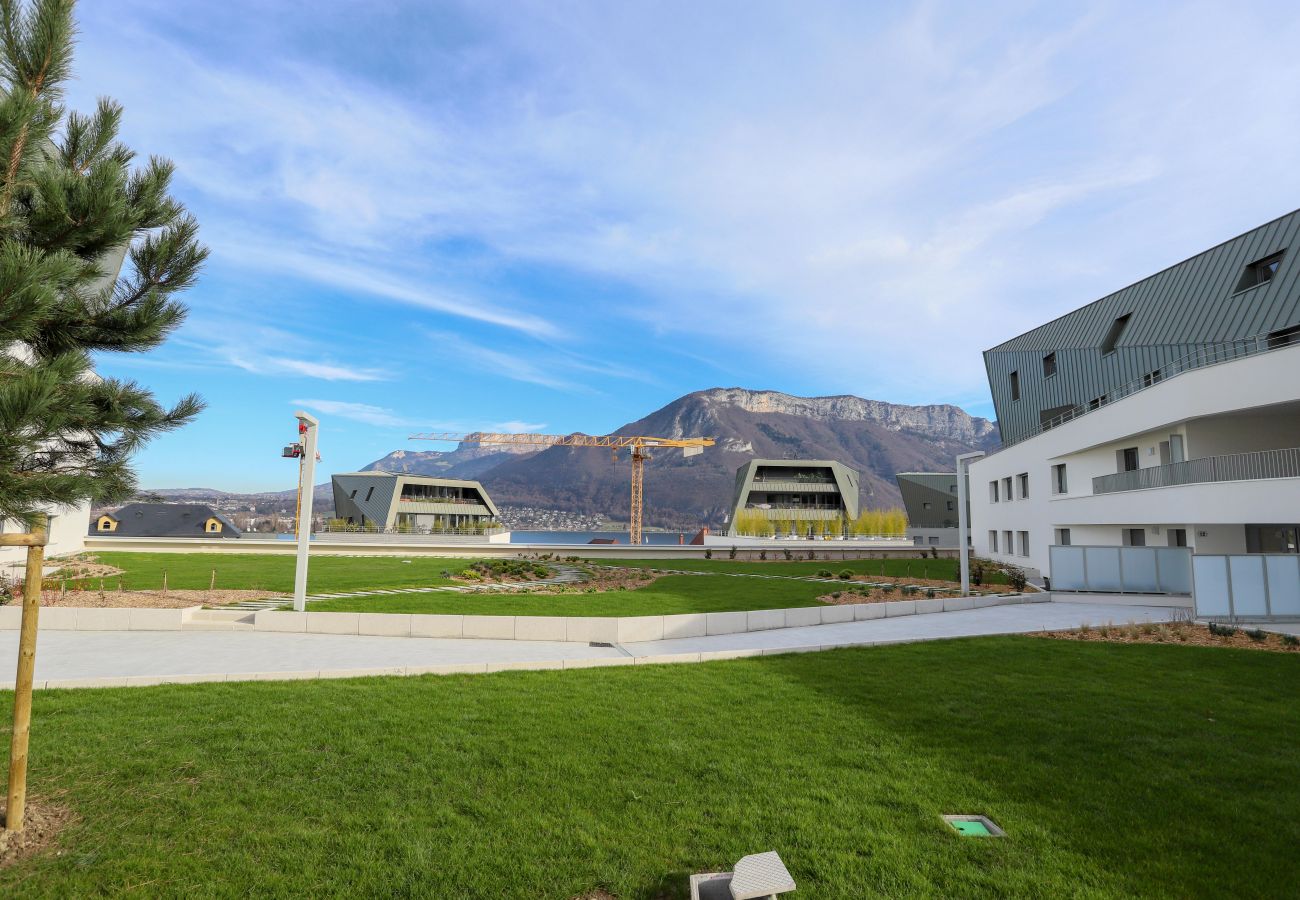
212, 582
164, 582
17, 803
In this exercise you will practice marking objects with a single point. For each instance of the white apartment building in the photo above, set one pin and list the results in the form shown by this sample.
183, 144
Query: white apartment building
1166, 414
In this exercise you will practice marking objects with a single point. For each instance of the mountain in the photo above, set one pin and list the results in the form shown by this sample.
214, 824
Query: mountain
876, 438
466, 461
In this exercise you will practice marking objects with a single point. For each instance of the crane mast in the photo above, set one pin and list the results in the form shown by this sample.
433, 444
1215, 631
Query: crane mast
639, 445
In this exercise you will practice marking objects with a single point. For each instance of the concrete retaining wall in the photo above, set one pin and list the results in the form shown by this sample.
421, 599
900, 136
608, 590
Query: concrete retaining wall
583, 629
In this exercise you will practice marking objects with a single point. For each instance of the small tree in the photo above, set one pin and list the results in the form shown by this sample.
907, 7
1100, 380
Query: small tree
73, 207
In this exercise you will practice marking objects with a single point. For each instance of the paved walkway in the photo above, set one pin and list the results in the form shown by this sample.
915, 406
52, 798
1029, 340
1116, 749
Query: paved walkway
88, 658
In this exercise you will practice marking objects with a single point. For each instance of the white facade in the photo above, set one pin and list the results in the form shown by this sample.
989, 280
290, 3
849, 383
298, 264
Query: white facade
67, 534
1240, 407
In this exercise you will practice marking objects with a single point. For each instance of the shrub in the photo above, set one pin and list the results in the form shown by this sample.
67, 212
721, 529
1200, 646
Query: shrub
812, 554
1258, 635
1223, 631
731, 554
835, 595
977, 572
708, 554
1016, 578
824, 573
762, 554
929, 593
845, 574
1290, 640
785, 551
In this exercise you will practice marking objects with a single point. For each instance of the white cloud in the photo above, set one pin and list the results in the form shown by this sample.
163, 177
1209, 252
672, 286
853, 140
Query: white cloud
356, 412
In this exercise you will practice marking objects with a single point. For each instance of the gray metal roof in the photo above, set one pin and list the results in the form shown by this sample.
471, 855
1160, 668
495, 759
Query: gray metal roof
166, 520
1171, 314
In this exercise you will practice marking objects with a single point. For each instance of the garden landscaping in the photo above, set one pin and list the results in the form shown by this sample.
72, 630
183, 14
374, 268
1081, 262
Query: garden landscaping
1114, 770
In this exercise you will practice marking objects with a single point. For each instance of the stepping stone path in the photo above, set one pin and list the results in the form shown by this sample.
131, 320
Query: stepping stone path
563, 575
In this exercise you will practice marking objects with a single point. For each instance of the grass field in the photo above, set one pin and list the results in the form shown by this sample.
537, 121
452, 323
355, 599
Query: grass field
942, 569
1160, 771
669, 595
262, 572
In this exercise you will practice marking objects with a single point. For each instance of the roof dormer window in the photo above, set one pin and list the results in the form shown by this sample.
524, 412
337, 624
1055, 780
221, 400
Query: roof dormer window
1260, 271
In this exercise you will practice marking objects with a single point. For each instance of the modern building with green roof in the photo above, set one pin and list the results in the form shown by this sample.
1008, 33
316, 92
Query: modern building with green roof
417, 503
796, 490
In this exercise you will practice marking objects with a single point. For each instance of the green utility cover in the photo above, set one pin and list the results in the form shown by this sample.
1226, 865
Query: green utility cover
971, 829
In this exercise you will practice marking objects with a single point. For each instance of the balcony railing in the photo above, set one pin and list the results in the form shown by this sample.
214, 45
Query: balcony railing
1233, 467
1200, 358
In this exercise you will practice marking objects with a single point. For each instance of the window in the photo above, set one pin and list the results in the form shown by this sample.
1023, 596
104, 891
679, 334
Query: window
1260, 272
952, 488
925, 506
1116, 331
370, 491
993, 542
1023, 478
1063, 537
353, 495
1015, 385
1006, 488
1135, 537
1177, 537
952, 504
1152, 377
1097, 402
1284, 337
1128, 459
1007, 547
1022, 542
934, 541
1059, 484
993, 492
1049, 365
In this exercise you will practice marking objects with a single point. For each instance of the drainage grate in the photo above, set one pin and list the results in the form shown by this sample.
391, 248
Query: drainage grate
974, 826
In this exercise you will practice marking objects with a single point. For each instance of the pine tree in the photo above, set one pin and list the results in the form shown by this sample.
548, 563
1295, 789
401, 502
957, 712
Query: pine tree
74, 208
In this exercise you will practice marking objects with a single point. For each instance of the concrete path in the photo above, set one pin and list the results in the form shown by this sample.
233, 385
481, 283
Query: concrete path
84, 659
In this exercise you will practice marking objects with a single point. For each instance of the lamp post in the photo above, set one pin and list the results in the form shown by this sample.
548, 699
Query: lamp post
963, 519
307, 428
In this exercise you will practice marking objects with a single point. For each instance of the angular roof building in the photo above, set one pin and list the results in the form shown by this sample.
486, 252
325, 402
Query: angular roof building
388, 500
796, 490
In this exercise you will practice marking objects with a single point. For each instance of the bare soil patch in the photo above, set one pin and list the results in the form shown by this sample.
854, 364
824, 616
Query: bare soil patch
1191, 633
111, 599
43, 821
84, 566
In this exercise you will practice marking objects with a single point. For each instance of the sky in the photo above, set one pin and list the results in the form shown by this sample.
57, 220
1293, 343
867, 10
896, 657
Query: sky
559, 216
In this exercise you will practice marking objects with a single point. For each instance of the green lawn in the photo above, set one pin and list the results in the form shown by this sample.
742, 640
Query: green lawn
259, 571
669, 595
1159, 771
943, 569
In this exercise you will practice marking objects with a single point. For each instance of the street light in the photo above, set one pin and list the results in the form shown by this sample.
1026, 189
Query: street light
307, 428
963, 523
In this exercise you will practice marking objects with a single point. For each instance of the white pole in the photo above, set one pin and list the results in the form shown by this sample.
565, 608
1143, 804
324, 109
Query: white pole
304, 519
963, 526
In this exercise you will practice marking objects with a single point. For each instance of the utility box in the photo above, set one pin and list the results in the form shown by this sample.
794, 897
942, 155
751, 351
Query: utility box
761, 875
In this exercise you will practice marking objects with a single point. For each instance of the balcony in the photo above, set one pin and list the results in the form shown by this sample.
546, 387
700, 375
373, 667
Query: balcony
1261, 464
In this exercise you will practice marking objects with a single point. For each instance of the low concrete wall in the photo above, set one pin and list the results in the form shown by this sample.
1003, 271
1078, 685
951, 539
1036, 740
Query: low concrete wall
825, 550
582, 629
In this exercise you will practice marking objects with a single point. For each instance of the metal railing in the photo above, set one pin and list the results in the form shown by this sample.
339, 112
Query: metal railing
335, 528
1200, 358
1232, 467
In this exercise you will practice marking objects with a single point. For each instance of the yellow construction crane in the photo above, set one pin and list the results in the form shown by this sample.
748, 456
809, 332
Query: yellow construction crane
638, 444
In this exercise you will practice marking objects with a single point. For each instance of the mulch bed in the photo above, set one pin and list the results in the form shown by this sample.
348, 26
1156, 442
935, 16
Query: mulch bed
112, 599
1189, 633
43, 821
877, 595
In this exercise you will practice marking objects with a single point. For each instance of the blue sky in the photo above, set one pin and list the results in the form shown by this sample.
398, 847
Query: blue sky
560, 216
